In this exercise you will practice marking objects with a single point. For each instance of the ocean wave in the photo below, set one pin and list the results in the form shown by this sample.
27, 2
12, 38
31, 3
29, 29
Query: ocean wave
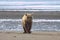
38, 25
34, 20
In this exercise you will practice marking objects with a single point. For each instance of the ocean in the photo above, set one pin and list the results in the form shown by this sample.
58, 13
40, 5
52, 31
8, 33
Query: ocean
38, 25
38, 5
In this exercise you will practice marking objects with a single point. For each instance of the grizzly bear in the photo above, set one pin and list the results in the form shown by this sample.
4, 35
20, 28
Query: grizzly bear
27, 23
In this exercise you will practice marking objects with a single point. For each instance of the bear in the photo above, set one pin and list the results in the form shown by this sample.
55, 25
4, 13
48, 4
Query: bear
27, 22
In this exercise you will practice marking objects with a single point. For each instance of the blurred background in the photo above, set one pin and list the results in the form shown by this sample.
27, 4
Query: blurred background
46, 14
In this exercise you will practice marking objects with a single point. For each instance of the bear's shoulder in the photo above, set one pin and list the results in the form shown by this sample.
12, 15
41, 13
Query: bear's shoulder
24, 17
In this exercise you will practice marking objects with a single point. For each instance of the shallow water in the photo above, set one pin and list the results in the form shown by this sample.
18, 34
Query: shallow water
38, 25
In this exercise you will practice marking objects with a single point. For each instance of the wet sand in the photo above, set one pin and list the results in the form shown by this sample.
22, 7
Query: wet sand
32, 36
36, 14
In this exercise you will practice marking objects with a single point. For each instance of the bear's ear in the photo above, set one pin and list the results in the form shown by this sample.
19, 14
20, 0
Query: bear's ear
26, 14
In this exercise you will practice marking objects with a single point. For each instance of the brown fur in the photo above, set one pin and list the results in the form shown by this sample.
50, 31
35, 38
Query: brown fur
27, 23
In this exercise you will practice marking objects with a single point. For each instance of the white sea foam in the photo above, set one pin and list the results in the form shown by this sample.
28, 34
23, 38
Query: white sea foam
46, 20
34, 20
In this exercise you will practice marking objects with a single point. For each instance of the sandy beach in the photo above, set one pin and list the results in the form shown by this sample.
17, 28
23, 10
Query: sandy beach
32, 36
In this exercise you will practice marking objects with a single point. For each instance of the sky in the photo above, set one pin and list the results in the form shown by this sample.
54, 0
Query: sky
30, 4
30, 0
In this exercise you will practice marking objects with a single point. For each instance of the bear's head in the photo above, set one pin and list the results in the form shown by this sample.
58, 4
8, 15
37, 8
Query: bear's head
29, 16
